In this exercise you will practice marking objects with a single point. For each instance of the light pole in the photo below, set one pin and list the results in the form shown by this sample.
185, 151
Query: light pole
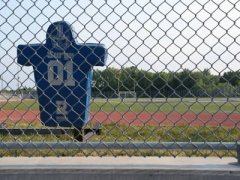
18, 82
1, 83
18, 86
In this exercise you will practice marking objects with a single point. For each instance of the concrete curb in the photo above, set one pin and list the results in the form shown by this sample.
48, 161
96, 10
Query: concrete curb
119, 168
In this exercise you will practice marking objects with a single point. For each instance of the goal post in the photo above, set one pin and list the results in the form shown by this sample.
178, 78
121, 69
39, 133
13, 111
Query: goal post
127, 94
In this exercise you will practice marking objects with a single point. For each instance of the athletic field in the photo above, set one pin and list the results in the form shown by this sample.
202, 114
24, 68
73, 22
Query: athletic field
144, 111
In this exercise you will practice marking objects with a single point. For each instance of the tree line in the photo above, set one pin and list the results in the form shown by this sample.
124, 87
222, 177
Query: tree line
186, 83
109, 82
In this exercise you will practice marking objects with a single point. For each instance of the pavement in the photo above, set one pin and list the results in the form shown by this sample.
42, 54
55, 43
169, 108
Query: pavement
183, 163
119, 168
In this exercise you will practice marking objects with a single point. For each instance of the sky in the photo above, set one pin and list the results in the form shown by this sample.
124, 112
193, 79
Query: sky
154, 35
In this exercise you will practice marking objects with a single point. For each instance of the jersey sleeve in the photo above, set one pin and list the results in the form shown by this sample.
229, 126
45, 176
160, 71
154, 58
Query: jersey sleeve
95, 54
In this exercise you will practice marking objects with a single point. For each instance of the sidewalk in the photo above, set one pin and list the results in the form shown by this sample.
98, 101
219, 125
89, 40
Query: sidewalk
120, 168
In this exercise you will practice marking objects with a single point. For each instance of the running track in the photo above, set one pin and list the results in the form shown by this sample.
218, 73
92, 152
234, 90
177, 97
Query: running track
140, 119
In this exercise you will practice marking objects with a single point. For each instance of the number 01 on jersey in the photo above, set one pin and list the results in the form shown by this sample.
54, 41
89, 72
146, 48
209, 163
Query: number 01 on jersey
60, 74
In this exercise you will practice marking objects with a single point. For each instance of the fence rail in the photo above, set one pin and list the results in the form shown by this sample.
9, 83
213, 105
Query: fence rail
169, 82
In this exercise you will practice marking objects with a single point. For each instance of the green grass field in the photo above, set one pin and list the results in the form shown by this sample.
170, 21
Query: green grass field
126, 133
146, 104
148, 133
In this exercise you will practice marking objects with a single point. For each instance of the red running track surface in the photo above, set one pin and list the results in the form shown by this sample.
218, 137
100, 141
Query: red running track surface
140, 119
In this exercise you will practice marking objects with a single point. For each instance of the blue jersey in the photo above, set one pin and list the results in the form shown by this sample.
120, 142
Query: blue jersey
63, 74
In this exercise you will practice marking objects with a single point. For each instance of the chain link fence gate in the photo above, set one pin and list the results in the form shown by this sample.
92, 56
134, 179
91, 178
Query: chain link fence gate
170, 86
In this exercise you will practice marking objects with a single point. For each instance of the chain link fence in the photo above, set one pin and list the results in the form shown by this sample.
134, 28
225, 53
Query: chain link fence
165, 80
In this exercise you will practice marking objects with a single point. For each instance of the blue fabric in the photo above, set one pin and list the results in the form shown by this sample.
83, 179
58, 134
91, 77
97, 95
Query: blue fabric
64, 88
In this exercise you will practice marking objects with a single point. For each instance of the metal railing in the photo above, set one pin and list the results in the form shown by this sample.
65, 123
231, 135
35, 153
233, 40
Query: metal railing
169, 82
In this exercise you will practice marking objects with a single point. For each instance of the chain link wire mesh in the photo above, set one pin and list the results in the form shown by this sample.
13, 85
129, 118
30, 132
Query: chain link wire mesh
170, 86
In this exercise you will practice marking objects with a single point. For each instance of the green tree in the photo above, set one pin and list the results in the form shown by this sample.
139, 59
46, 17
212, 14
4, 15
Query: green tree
232, 77
106, 80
